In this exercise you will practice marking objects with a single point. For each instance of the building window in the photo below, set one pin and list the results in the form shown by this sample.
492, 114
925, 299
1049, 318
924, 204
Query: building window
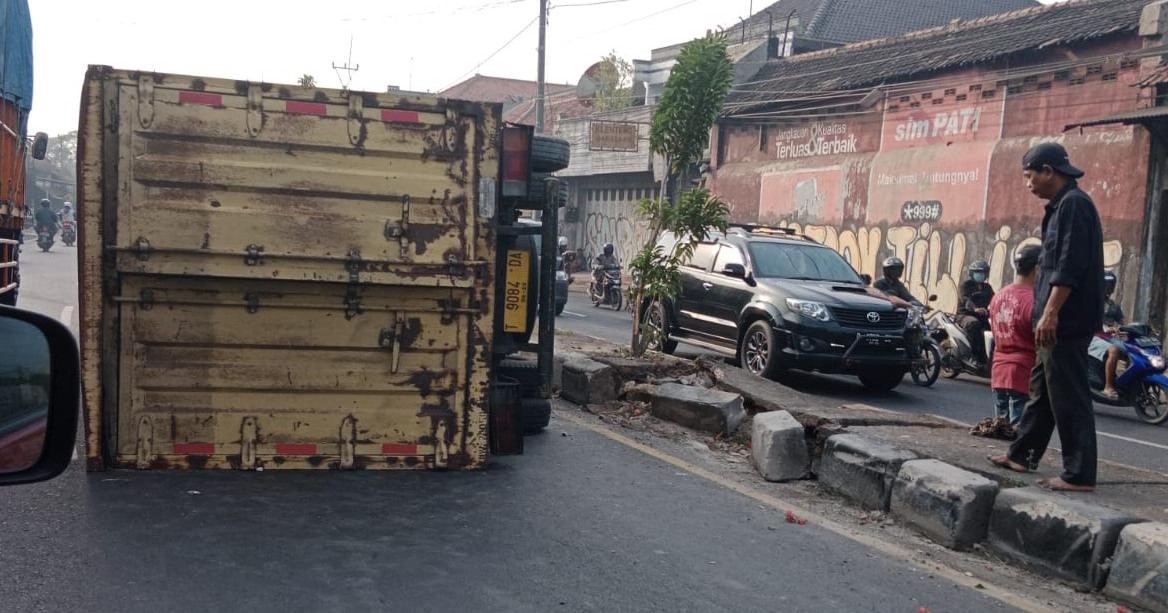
975, 88
926, 95
962, 97
1078, 81
914, 105
1095, 69
950, 91
989, 93
938, 101
893, 108
1111, 76
1045, 85
1014, 89
905, 98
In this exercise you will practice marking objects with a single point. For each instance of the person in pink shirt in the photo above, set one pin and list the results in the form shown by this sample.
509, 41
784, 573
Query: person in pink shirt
1011, 320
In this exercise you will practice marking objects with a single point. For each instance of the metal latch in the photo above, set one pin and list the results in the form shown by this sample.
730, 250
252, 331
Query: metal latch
142, 248
353, 265
352, 302
399, 229
253, 301
253, 255
146, 99
455, 266
255, 109
356, 120
146, 299
390, 338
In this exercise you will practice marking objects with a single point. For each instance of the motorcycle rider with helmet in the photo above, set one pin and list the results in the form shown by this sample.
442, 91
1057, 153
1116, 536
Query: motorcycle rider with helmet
973, 311
891, 284
46, 219
605, 261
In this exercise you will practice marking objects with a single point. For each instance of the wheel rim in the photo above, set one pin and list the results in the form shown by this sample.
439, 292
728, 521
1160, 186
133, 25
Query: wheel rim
656, 325
757, 351
1151, 406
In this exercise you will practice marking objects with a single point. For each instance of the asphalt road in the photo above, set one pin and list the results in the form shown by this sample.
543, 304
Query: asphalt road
579, 523
1123, 438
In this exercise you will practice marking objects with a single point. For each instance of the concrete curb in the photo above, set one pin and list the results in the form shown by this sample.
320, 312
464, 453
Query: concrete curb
861, 469
1139, 569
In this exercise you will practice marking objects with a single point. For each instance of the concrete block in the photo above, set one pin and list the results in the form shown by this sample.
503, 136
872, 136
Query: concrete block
778, 445
708, 410
587, 382
1139, 568
558, 360
862, 469
1056, 534
950, 505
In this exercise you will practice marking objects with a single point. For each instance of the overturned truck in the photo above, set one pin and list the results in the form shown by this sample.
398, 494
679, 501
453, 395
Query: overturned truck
275, 276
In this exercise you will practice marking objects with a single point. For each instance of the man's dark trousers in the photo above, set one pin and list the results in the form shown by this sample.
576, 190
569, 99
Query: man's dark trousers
1060, 397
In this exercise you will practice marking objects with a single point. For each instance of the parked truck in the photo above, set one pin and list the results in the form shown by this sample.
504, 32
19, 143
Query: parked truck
275, 276
15, 104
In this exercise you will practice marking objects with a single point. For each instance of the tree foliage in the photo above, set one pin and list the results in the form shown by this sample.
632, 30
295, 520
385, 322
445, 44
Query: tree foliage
614, 83
692, 99
306, 80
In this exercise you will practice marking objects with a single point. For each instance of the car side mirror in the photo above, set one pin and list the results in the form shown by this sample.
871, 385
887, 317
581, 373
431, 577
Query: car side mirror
866, 278
39, 390
40, 145
738, 271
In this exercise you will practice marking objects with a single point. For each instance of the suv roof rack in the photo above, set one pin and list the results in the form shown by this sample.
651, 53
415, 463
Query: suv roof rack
765, 230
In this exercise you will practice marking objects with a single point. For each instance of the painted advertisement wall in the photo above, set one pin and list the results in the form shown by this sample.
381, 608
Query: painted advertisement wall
935, 177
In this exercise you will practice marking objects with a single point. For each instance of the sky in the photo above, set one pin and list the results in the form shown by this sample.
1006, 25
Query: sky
420, 45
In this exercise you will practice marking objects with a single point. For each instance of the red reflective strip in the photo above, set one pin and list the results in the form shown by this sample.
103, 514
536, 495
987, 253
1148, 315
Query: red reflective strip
296, 448
194, 448
399, 449
200, 98
306, 108
400, 116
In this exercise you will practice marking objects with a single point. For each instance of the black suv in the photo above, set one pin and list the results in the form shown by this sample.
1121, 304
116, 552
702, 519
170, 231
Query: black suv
778, 301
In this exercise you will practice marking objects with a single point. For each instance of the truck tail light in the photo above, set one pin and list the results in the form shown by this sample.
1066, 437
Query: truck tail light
516, 160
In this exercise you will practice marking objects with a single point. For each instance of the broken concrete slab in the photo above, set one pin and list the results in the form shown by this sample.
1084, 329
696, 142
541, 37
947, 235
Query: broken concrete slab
1056, 534
587, 381
707, 410
778, 445
558, 365
644, 369
950, 505
862, 469
1139, 568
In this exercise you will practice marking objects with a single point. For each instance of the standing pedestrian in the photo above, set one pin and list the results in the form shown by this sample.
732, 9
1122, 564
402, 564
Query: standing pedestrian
1068, 309
1011, 318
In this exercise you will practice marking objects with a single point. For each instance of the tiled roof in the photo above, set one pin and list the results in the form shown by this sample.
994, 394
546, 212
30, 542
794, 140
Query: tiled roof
957, 44
480, 88
849, 21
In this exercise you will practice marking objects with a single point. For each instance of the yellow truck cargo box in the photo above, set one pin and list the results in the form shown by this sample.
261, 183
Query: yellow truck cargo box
284, 277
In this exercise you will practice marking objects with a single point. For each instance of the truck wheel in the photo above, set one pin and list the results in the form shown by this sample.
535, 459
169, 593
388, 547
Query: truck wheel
537, 194
526, 372
881, 379
549, 153
758, 351
536, 414
560, 308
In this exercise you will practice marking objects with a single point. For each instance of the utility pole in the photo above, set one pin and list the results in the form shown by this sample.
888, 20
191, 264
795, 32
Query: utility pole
539, 79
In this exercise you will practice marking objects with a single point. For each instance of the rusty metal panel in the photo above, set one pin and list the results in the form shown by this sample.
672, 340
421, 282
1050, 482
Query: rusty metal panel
288, 278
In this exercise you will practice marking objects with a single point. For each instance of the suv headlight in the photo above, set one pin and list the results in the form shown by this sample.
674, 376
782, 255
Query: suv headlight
807, 308
1157, 362
561, 275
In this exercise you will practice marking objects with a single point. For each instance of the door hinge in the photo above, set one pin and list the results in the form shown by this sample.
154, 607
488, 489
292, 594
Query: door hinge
399, 229
146, 299
455, 267
390, 338
356, 120
142, 248
255, 109
146, 99
253, 255
248, 440
353, 265
352, 302
253, 301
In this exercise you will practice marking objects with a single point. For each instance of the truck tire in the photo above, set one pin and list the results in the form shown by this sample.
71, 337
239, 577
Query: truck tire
536, 415
549, 153
537, 194
526, 372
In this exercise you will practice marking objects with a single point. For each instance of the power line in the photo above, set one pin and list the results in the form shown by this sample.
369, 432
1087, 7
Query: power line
495, 52
598, 3
632, 21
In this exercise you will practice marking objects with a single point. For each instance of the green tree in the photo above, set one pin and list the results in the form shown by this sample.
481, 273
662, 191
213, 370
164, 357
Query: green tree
614, 83
306, 80
691, 102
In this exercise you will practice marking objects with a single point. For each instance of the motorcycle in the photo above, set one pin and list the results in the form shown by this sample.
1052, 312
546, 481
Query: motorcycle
956, 351
45, 238
926, 352
609, 292
1143, 385
68, 233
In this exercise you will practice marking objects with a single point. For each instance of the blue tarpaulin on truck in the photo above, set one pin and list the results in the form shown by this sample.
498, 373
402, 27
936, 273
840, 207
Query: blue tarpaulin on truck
16, 56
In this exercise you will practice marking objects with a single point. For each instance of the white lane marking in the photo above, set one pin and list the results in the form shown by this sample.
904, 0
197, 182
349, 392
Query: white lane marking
67, 316
581, 316
1133, 440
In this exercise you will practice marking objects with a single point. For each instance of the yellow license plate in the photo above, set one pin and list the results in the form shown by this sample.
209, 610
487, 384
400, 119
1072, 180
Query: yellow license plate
515, 295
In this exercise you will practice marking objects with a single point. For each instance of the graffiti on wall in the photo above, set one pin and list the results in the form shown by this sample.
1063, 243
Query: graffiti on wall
935, 259
618, 224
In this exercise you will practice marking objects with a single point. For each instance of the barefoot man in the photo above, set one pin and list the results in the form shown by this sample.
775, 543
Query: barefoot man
1068, 309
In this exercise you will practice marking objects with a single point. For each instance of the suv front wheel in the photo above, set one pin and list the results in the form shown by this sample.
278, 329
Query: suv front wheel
881, 379
759, 352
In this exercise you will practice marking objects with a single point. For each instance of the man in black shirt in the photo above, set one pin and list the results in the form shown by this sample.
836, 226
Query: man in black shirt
973, 312
1068, 311
891, 284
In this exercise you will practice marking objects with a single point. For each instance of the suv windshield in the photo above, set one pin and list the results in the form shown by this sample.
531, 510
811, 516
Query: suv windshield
794, 261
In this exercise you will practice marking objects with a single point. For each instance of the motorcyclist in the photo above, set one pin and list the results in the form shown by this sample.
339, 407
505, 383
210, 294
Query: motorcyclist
973, 311
46, 219
1110, 352
67, 214
605, 261
891, 284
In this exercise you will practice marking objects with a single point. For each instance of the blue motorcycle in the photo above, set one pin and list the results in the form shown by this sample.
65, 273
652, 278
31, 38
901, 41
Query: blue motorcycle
1143, 385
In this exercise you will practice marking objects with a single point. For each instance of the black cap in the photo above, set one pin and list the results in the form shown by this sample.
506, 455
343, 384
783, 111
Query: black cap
1053, 155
